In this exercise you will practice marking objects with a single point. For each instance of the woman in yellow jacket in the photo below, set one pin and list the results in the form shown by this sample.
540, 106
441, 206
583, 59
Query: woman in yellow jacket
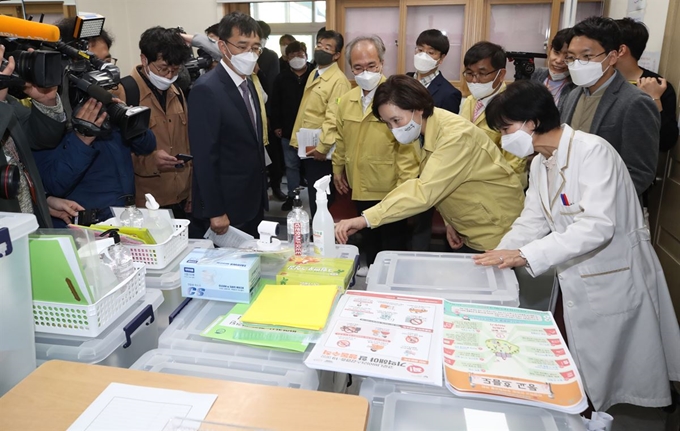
367, 158
462, 173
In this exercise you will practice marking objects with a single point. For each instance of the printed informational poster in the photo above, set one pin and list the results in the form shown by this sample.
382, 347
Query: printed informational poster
519, 355
395, 337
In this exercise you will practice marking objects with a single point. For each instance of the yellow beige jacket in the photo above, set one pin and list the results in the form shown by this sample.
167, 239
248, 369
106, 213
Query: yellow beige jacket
319, 105
465, 177
375, 163
518, 165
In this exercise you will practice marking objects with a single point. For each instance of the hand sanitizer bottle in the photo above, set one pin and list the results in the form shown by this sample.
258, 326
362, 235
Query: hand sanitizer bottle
159, 227
117, 257
131, 216
298, 226
323, 225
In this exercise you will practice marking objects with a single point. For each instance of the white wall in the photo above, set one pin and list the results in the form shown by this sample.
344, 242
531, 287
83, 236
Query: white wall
127, 20
654, 17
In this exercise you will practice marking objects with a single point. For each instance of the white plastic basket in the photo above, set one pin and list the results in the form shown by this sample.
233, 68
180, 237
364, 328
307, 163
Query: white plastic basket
158, 256
90, 320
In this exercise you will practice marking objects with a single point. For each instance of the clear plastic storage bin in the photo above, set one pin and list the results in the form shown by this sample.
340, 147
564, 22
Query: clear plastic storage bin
246, 369
120, 345
344, 251
17, 349
452, 276
168, 282
397, 406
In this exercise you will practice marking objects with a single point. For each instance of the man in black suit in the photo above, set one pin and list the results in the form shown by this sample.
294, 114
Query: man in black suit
226, 134
431, 49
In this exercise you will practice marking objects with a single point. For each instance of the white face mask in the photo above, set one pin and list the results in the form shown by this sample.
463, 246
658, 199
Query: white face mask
408, 133
244, 63
558, 76
480, 91
423, 62
368, 80
518, 143
585, 75
297, 63
160, 82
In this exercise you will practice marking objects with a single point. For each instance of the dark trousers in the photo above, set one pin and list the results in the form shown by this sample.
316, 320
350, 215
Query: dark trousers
422, 231
392, 236
313, 172
277, 167
177, 209
198, 227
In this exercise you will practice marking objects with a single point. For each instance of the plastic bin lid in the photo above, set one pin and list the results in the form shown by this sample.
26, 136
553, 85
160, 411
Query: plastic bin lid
232, 368
169, 277
397, 406
452, 276
93, 350
19, 224
185, 334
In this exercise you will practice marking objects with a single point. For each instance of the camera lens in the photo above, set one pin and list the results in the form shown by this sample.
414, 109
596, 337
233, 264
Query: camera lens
132, 120
41, 68
9, 181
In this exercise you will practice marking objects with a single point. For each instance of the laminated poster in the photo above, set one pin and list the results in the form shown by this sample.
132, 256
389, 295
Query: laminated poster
395, 337
509, 354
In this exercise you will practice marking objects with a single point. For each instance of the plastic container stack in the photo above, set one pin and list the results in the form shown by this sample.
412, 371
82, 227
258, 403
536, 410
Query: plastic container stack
17, 348
450, 276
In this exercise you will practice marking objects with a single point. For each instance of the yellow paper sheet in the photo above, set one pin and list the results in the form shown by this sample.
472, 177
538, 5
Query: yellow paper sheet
304, 307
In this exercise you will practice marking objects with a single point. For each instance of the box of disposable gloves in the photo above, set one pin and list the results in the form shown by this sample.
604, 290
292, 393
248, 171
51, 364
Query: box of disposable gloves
219, 274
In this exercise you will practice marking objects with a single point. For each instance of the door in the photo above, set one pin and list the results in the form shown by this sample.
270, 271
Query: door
664, 201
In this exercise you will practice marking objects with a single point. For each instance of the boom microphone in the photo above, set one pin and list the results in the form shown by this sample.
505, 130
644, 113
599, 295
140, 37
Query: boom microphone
22, 29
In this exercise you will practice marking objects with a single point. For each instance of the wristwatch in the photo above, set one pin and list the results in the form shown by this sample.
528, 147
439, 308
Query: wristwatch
525, 258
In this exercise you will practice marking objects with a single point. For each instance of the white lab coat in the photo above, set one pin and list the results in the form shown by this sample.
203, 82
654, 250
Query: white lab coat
619, 318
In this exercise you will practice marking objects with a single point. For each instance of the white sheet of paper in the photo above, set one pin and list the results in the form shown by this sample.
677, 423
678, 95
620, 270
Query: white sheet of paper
139, 408
310, 138
234, 238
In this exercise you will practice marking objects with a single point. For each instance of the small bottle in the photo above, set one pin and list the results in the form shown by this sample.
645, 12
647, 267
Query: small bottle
131, 216
159, 228
298, 226
117, 257
323, 224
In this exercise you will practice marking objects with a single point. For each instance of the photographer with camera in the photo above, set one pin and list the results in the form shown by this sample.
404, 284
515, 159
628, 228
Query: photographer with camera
150, 84
23, 129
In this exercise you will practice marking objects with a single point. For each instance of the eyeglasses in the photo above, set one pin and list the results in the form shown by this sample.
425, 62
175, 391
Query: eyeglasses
470, 76
166, 70
111, 60
570, 59
431, 52
257, 50
357, 70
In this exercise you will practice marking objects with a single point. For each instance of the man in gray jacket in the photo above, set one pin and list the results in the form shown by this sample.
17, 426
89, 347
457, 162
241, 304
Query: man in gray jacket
607, 105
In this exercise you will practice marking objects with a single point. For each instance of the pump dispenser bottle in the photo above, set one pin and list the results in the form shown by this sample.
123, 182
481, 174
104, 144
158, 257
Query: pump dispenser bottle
298, 226
323, 225
131, 216
159, 227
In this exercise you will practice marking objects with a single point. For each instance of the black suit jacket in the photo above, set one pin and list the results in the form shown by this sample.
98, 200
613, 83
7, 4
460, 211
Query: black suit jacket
445, 95
29, 128
229, 174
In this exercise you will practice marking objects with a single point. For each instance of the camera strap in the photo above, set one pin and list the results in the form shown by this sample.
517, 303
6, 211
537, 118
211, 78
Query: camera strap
131, 90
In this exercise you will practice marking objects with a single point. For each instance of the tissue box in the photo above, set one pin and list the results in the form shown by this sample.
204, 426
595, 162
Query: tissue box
219, 275
305, 270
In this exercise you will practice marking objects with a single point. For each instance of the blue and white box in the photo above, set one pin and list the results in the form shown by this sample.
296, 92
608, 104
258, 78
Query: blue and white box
219, 274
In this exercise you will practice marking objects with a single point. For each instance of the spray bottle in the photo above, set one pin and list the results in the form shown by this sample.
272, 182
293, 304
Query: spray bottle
323, 225
298, 226
159, 228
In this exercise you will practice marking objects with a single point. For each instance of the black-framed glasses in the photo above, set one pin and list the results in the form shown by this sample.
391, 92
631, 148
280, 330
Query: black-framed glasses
570, 59
470, 76
257, 50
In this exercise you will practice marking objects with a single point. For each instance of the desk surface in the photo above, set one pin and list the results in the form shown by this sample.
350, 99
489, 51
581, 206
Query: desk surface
54, 395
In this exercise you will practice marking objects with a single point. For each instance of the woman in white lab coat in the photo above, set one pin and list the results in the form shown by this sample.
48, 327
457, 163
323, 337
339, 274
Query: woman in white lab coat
582, 217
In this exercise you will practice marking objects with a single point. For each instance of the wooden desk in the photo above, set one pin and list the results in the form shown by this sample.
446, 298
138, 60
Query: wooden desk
53, 396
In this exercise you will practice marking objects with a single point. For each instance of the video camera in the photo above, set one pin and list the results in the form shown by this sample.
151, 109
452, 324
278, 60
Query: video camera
524, 63
81, 73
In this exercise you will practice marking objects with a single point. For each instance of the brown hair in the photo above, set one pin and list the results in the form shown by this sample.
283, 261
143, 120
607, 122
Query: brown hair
405, 92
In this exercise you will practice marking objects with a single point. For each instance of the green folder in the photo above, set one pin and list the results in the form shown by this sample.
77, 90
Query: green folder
56, 271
